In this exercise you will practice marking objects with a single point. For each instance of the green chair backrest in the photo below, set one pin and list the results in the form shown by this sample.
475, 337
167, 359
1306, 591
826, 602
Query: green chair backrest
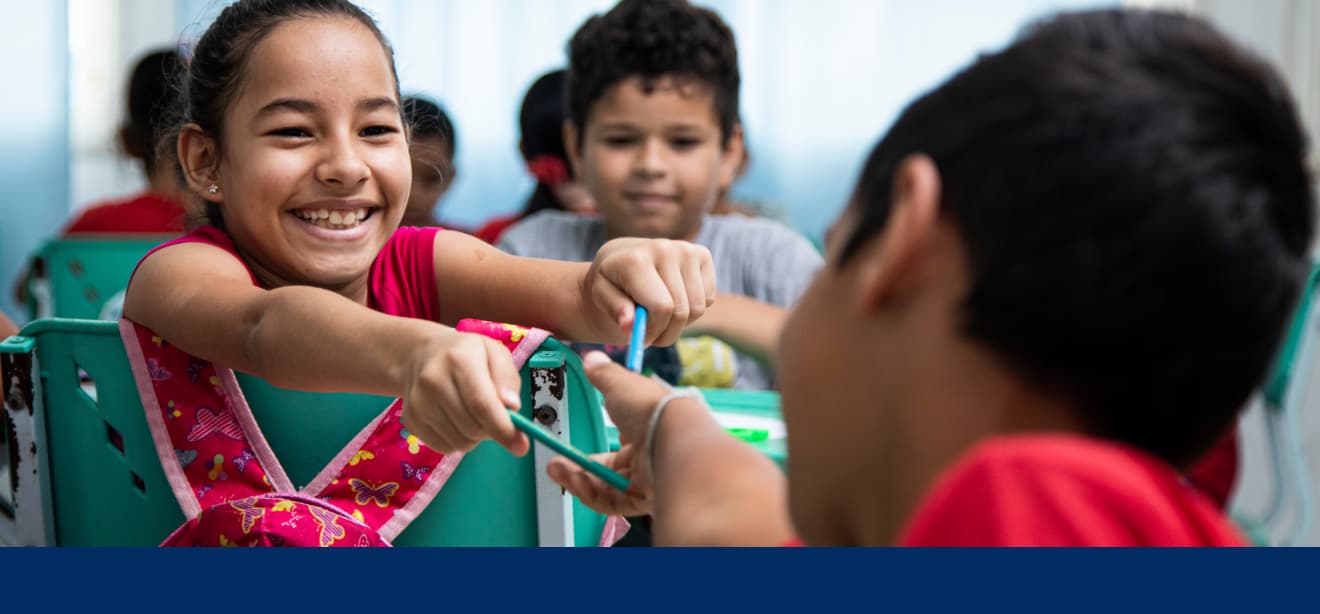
81, 276
107, 486
1280, 375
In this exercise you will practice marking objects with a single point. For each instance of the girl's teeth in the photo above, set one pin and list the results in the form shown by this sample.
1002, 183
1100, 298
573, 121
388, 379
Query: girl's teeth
336, 220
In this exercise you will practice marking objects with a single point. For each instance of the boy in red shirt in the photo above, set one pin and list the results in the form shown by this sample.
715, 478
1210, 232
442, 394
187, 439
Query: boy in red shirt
1060, 276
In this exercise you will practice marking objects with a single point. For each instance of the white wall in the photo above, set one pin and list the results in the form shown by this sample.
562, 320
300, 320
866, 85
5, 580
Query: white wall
106, 39
34, 158
822, 79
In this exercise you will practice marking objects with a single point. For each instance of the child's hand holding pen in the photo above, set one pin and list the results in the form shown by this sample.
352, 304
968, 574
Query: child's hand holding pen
674, 280
635, 404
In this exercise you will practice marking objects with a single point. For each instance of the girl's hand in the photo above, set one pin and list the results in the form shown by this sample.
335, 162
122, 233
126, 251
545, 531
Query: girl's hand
456, 388
674, 280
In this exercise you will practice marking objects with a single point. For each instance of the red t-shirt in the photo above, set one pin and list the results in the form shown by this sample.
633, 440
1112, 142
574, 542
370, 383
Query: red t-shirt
1216, 473
146, 213
402, 278
1063, 490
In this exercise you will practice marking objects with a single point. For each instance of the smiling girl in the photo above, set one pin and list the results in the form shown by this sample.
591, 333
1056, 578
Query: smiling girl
300, 274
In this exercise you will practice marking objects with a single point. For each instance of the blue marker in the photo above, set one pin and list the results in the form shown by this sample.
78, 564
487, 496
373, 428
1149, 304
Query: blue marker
637, 344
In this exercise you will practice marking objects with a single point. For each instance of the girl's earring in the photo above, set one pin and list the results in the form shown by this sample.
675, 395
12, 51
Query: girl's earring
213, 189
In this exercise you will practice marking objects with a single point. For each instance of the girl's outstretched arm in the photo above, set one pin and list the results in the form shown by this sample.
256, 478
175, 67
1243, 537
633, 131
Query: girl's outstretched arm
455, 386
674, 280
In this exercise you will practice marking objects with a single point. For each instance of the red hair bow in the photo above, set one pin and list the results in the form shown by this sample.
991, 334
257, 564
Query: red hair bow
548, 169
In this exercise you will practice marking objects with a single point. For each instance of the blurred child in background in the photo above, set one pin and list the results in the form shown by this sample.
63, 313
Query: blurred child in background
152, 92
432, 146
151, 97
653, 134
541, 123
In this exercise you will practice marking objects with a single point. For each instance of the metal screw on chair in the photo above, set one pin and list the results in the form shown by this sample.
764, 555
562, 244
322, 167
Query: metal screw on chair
546, 415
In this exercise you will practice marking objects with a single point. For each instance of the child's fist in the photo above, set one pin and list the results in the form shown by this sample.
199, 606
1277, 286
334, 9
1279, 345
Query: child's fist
456, 392
674, 280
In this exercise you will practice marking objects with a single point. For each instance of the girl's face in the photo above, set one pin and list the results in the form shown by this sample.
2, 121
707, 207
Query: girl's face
314, 172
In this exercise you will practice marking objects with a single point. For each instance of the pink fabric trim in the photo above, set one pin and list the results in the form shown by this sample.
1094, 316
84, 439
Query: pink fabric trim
615, 528
434, 482
336, 465
169, 461
440, 475
529, 344
279, 480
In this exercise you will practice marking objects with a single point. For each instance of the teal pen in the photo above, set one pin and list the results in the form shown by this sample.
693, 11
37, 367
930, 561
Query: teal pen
535, 431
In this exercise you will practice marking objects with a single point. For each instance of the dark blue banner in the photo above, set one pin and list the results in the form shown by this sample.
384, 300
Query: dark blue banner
623, 579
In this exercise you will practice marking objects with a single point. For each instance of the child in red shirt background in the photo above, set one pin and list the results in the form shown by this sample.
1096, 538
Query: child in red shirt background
152, 93
1060, 277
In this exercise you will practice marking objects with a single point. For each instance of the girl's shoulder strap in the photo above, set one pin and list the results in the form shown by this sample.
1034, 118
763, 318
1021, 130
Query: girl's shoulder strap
205, 436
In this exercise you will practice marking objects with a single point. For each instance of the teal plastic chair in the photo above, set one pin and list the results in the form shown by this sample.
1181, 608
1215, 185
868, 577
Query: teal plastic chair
88, 475
84, 276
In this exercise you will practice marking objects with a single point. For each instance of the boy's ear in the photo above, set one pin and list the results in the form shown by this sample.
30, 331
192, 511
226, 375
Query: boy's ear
734, 151
913, 216
571, 146
200, 158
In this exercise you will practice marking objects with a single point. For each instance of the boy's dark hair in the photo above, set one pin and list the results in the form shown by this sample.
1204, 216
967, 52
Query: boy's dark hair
425, 118
212, 77
152, 94
653, 39
1132, 193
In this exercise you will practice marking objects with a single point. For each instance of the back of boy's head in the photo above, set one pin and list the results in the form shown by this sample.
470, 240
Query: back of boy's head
1132, 194
425, 119
652, 39
214, 72
152, 95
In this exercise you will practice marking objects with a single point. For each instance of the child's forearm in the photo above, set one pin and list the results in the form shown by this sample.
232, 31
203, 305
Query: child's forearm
311, 339
536, 292
750, 326
712, 489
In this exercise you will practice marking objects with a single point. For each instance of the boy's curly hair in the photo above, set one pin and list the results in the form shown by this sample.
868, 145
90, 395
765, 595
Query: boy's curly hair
653, 39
